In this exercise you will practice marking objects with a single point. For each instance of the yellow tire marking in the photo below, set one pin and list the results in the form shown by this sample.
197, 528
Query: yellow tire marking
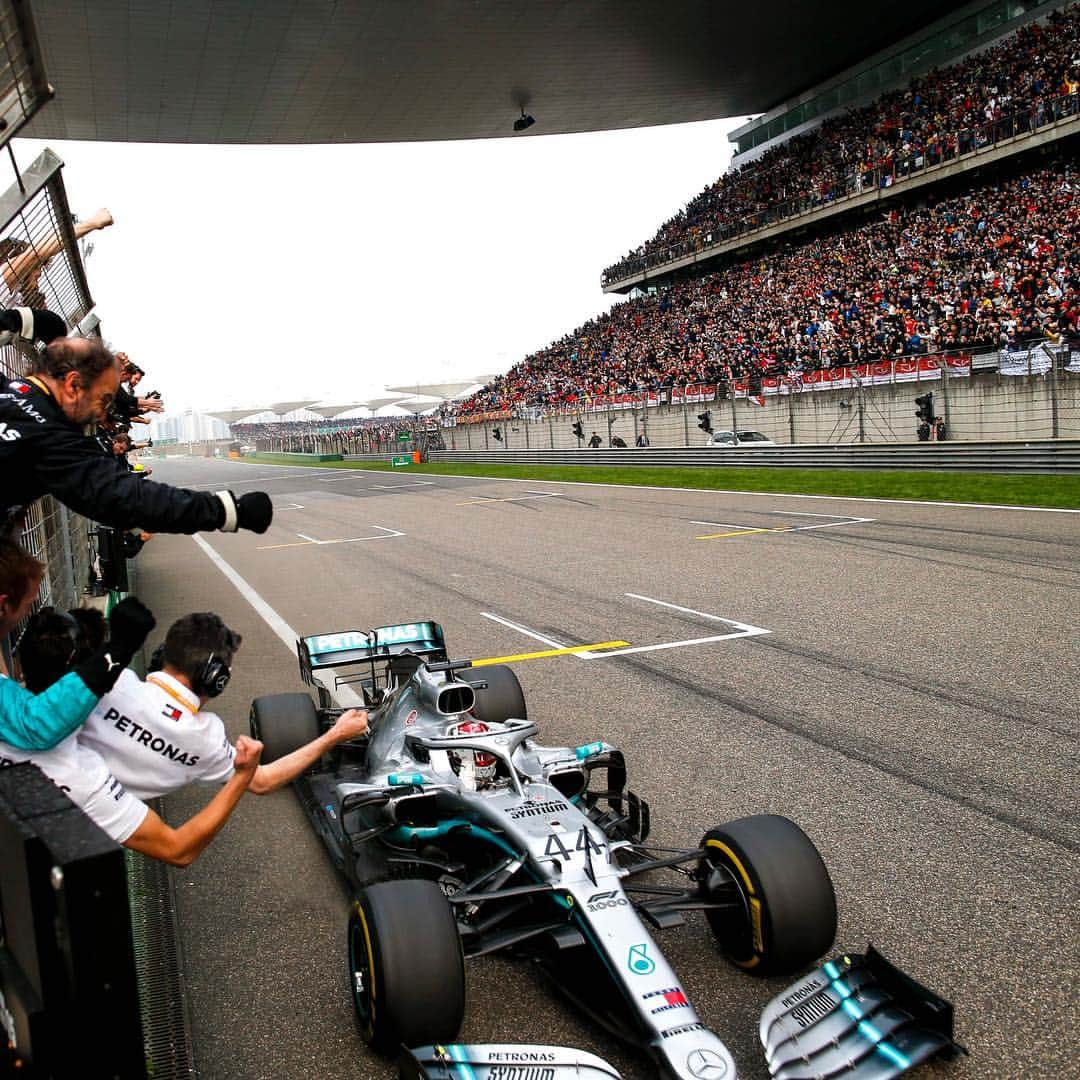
371, 963
755, 903
735, 859
548, 652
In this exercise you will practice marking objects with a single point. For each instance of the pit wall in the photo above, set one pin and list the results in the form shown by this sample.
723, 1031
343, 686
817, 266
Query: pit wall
980, 407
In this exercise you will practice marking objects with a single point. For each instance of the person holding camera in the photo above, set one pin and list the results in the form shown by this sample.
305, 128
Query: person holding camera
43, 450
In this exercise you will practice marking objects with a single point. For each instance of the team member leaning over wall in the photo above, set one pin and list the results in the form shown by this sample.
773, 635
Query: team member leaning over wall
156, 736
43, 450
30, 721
45, 652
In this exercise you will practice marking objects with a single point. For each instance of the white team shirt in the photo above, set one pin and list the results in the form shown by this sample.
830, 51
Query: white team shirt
85, 778
155, 738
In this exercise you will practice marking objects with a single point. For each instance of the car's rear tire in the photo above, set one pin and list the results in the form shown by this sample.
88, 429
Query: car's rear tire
787, 906
502, 699
406, 968
283, 723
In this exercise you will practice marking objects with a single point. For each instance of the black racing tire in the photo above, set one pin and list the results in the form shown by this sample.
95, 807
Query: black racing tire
788, 907
406, 967
502, 700
283, 723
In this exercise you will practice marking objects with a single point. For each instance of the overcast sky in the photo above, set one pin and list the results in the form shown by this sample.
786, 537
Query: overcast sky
241, 276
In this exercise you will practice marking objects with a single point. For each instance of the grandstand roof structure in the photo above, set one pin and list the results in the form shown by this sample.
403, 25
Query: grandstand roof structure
232, 416
226, 71
333, 410
444, 391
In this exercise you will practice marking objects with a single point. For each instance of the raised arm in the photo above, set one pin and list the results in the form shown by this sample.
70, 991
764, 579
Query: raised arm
351, 724
18, 269
184, 845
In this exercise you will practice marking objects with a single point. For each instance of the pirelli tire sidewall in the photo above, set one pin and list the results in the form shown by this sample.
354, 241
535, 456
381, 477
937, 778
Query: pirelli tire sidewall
788, 910
405, 965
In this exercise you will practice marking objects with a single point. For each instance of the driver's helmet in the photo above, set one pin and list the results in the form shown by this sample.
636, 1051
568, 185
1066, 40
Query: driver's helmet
483, 765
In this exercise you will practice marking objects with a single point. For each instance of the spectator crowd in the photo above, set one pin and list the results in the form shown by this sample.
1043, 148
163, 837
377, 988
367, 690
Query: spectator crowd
1017, 85
995, 267
355, 434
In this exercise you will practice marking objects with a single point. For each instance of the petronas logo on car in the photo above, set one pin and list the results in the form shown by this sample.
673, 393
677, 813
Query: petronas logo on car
639, 961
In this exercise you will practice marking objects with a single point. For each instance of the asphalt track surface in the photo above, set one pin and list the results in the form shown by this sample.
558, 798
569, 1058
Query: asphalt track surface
913, 707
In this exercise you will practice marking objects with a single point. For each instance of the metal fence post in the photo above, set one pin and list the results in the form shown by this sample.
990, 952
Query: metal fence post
945, 395
1054, 421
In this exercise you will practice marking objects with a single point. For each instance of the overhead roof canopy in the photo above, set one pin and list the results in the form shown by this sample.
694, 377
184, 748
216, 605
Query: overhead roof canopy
233, 416
283, 407
444, 391
277, 71
334, 410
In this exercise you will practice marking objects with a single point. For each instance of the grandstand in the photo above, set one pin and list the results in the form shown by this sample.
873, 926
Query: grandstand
903, 222
940, 219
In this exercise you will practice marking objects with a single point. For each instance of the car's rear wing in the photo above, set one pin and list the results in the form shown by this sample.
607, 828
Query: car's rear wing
344, 647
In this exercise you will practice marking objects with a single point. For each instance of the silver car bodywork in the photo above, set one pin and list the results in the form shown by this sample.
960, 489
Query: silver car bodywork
526, 813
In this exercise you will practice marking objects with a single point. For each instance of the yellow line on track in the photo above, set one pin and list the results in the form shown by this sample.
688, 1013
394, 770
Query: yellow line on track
548, 652
743, 532
272, 547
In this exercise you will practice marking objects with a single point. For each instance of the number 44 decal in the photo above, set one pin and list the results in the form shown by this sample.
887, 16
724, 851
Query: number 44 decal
556, 849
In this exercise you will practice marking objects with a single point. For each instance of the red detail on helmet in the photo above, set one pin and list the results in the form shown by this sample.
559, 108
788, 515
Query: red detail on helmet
477, 727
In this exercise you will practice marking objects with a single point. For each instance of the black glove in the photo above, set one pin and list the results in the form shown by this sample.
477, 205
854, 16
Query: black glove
33, 324
129, 624
252, 511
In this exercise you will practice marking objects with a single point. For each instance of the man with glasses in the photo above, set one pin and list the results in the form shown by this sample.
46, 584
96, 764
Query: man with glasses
44, 451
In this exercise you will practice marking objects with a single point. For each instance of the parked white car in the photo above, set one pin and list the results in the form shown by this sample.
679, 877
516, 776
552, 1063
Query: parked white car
738, 438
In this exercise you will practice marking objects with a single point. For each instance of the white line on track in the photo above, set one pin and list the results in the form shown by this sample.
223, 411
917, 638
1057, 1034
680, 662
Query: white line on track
742, 630
787, 528
386, 535
524, 630
345, 696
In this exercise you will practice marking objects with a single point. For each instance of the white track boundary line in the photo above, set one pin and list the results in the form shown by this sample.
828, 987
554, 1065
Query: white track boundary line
743, 630
345, 696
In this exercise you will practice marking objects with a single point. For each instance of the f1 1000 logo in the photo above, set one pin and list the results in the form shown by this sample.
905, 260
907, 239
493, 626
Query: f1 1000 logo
601, 900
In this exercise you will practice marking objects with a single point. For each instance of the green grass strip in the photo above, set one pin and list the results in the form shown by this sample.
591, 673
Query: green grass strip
924, 484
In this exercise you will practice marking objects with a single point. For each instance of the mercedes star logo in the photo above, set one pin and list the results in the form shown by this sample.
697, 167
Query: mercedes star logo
707, 1065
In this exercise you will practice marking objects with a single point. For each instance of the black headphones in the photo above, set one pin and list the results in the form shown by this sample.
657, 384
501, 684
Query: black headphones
212, 678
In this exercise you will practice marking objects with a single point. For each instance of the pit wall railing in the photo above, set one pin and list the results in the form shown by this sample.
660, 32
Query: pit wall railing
1049, 121
41, 266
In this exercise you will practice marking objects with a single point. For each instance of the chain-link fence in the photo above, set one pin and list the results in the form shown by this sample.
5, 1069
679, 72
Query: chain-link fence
40, 266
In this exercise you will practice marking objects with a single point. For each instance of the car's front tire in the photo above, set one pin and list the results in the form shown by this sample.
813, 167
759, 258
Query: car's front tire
283, 723
406, 967
783, 913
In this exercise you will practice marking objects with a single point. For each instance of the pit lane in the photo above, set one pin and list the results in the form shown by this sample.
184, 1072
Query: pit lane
912, 706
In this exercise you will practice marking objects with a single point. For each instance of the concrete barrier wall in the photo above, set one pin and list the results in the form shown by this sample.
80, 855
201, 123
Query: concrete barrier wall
984, 407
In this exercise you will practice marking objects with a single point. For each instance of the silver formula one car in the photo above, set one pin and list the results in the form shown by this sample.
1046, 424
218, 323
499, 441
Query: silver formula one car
461, 834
